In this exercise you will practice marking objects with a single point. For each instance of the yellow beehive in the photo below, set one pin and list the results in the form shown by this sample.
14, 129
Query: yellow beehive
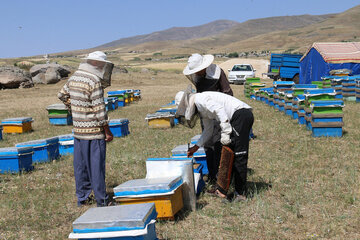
16, 125
160, 120
166, 206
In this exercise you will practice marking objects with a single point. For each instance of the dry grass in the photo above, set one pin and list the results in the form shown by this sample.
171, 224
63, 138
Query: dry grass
300, 187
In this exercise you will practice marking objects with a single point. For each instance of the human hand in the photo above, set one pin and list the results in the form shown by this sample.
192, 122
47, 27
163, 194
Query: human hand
108, 134
225, 139
192, 150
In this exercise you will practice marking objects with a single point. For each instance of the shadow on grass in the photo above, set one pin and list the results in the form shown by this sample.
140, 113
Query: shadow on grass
254, 188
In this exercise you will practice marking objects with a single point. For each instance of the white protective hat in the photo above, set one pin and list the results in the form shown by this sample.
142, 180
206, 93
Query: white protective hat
97, 56
197, 62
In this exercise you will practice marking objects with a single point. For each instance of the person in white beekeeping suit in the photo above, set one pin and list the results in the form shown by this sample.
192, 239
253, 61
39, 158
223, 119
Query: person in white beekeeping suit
235, 119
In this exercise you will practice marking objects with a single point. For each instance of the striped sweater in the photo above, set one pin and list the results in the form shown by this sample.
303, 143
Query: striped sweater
84, 95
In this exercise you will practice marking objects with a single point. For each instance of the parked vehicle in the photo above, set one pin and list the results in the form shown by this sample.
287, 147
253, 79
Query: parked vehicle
239, 73
285, 67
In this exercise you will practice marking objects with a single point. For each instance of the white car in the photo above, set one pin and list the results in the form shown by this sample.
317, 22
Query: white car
239, 73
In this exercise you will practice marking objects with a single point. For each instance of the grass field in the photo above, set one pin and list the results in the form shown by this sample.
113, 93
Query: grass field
300, 187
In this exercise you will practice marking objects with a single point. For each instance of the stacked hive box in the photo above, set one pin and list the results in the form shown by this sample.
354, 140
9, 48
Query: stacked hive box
17, 125
299, 109
45, 150
327, 118
326, 82
15, 159
120, 95
160, 120
130, 95
289, 95
247, 87
59, 115
119, 127
137, 94
336, 84
357, 90
348, 88
298, 89
267, 94
254, 87
316, 94
136, 221
66, 144
109, 104
276, 100
279, 97
165, 193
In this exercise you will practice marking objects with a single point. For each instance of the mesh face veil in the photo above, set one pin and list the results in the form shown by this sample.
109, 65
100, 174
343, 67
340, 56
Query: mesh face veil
103, 70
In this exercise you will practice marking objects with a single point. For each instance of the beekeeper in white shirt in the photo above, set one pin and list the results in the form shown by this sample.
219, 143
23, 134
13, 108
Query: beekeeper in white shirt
235, 118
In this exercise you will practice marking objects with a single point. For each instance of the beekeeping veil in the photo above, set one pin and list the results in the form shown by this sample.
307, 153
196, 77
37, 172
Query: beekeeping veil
186, 109
97, 64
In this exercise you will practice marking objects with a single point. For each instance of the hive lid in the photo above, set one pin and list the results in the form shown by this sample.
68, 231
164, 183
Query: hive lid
15, 151
169, 159
118, 92
167, 110
148, 186
39, 143
57, 106
115, 218
66, 137
16, 121
320, 91
118, 121
159, 115
195, 138
304, 86
327, 103
181, 150
283, 83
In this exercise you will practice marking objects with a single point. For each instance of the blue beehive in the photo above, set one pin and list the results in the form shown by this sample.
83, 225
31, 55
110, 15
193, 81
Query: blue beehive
283, 85
15, 159
66, 144
45, 150
349, 87
124, 222
357, 90
114, 102
108, 104
199, 155
59, 114
119, 127
327, 118
300, 103
120, 95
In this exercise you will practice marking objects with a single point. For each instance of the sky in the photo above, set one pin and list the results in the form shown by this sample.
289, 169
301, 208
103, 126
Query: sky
38, 27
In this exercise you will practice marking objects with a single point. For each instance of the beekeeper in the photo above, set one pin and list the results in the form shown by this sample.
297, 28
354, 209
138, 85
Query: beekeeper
207, 76
84, 95
235, 119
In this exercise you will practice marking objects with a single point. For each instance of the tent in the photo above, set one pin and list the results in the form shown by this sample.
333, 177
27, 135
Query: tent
321, 58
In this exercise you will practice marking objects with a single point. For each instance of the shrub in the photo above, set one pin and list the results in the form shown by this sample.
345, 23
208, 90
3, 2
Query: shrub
233, 55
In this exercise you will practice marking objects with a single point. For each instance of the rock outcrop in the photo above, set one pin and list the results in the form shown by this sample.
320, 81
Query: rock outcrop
49, 73
14, 77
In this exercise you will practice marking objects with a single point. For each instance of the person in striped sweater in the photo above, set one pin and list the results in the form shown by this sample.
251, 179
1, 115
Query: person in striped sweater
83, 94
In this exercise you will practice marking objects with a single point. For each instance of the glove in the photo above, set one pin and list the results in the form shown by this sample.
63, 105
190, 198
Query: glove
225, 139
